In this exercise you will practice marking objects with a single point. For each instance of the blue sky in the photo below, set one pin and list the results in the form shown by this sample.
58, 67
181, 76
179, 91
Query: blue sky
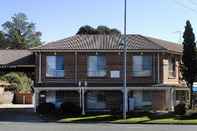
57, 19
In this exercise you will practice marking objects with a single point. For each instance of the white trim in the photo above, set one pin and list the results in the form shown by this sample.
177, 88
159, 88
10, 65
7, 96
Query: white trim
100, 88
182, 89
57, 88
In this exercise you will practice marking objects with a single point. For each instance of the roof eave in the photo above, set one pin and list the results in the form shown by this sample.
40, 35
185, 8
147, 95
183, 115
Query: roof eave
99, 50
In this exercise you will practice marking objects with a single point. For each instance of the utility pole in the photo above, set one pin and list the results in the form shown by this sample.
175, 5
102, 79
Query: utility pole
125, 101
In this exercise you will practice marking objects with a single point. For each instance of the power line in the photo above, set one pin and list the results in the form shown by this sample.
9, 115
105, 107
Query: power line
184, 6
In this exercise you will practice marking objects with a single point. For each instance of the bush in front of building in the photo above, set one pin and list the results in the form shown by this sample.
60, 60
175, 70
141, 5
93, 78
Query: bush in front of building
46, 108
69, 108
180, 109
18, 81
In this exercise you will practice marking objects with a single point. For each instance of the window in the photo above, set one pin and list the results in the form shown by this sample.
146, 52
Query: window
96, 66
147, 96
181, 95
142, 66
55, 66
172, 67
96, 101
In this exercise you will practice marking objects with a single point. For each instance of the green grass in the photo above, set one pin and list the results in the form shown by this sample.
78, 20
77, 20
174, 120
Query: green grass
172, 121
117, 119
88, 118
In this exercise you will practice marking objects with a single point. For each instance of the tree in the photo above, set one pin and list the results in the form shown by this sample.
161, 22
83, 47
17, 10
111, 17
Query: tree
188, 67
19, 33
2, 40
88, 30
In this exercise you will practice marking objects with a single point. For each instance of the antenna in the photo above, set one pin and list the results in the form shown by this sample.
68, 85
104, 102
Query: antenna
180, 36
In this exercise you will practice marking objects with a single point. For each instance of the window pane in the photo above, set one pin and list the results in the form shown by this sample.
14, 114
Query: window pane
172, 67
96, 66
137, 65
142, 66
92, 65
55, 66
59, 66
50, 66
147, 65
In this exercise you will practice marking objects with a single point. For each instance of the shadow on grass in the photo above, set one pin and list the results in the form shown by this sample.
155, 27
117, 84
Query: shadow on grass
132, 118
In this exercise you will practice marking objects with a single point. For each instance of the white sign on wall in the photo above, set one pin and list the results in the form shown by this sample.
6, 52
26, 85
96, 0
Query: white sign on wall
115, 74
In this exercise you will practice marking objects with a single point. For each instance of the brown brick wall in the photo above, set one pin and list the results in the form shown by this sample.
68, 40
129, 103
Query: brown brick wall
159, 100
114, 62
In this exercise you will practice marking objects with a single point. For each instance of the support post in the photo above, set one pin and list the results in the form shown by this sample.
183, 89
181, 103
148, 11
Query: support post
80, 99
36, 100
83, 100
172, 100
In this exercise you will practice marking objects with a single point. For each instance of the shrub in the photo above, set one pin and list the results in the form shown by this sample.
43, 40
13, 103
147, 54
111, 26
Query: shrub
19, 81
180, 109
46, 108
69, 108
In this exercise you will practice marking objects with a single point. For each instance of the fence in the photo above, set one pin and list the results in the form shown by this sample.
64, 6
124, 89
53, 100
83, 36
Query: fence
22, 98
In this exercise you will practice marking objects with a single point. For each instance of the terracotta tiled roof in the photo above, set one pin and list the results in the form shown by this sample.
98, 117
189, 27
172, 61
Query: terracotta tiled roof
167, 45
110, 42
16, 57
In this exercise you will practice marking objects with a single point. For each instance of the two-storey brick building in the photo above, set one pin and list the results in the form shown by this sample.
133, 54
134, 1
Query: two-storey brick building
87, 70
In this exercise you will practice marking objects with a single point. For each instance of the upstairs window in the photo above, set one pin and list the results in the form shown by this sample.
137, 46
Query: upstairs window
55, 66
142, 66
172, 68
96, 66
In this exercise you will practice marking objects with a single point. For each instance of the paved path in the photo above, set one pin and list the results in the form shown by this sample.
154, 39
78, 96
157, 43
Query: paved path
16, 106
10, 126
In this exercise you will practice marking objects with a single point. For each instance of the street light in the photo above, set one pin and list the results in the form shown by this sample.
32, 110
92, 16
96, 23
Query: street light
125, 63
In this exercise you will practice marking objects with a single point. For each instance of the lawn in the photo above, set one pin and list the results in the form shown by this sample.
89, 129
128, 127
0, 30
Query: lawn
132, 119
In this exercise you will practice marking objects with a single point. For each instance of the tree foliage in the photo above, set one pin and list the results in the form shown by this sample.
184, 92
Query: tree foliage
88, 30
20, 81
2, 40
188, 68
19, 33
